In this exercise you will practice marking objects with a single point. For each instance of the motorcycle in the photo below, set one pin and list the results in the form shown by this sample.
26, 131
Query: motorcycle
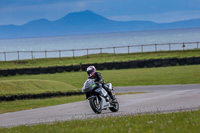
98, 97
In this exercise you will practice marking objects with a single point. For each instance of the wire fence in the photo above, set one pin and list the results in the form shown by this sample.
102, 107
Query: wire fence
24, 55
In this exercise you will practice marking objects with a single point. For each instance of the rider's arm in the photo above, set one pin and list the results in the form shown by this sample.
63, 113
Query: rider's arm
83, 87
101, 80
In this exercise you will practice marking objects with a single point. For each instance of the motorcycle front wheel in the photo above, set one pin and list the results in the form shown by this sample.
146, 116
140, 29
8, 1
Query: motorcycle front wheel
95, 105
115, 107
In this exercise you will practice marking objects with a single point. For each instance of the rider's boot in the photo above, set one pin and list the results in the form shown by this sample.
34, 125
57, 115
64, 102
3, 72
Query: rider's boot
114, 100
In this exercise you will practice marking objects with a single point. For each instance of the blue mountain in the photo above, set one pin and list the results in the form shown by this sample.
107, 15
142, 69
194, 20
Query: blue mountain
85, 22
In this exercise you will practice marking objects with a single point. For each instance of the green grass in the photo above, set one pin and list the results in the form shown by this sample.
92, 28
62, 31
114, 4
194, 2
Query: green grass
125, 77
33, 86
182, 122
18, 105
173, 122
98, 58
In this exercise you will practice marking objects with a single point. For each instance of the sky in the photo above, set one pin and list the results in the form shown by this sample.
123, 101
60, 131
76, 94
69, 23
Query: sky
19, 12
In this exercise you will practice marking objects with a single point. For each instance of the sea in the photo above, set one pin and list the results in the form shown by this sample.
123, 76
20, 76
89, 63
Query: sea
77, 45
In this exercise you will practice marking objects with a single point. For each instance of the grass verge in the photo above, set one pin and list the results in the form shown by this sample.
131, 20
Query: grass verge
33, 86
18, 105
128, 77
125, 77
182, 122
98, 58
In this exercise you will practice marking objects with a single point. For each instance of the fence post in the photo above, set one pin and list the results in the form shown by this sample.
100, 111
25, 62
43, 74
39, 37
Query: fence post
5, 56
183, 46
169, 47
197, 45
114, 49
59, 53
32, 54
87, 53
73, 53
142, 48
18, 55
156, 47
45, 54
100, 50
128, 49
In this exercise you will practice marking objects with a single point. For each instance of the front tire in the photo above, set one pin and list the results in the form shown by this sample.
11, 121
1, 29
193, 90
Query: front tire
96, 107
115, 107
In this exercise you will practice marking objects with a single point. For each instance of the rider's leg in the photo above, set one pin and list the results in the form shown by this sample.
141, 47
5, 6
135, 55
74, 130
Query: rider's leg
110, 93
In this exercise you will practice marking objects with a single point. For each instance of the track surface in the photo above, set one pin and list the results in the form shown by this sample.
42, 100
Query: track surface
164, 98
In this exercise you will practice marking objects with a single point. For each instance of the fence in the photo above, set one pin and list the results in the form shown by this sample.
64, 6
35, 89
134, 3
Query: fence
22, 55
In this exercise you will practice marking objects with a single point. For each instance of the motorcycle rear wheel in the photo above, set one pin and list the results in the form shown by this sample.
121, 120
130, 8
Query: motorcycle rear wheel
96, 107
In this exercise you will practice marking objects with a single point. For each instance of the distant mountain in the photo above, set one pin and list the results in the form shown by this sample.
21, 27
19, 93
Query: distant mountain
85, 22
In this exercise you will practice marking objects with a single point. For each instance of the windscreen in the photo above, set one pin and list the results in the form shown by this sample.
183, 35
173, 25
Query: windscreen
88, 85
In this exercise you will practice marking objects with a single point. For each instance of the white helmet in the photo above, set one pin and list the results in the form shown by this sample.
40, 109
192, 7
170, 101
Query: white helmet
91, 70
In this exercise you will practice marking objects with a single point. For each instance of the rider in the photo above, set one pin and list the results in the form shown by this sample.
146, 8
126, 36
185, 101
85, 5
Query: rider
93, 74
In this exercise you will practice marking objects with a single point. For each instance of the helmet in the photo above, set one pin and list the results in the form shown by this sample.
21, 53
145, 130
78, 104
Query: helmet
91, 70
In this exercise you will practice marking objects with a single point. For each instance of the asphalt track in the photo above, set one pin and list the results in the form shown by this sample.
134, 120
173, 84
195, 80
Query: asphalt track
162, 98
